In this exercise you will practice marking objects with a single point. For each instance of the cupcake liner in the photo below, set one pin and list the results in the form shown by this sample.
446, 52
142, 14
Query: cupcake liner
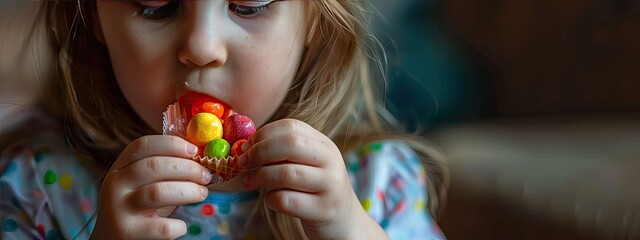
174, 122
226, 168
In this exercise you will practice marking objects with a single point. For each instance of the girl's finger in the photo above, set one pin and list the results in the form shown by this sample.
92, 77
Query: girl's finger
288, 147
164, 194
156, 228
155, 169
288, 176
280, 127
156, 145
305, 206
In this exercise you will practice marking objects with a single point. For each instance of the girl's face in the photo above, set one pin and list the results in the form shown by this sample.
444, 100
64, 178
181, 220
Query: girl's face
244, 53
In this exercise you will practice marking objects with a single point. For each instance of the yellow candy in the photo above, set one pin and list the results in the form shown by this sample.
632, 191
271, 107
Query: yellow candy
204, 128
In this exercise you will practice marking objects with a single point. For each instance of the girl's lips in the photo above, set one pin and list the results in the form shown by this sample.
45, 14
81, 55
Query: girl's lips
194, 101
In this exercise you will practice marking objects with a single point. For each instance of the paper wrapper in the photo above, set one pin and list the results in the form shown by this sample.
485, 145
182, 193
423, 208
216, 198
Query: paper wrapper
174, 122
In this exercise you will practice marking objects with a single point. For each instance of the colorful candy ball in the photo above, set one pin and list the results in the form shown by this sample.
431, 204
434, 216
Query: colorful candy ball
204, 128
218, 148
236, 149
238, 127
215, 108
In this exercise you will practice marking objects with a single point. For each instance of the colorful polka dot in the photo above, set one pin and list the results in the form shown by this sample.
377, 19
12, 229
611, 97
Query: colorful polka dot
41, 229
419, 206
39, 156
52, 234
397, 183
374, 147
384, 223
224, 208
24, 217
37, 193
49, 177
194, 229
364, 162
223, 228
366, 204
207, 210
364, 151
56, 223
65, 181
354, 167
400, 207
9, 225
85, 205
381, 195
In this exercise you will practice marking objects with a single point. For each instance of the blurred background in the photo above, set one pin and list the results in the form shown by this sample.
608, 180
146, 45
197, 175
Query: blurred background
536, 103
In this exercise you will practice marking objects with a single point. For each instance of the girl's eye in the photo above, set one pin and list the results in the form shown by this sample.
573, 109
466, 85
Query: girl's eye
157, 10
249, 8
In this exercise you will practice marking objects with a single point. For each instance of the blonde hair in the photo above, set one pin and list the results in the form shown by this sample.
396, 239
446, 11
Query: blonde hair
340, 101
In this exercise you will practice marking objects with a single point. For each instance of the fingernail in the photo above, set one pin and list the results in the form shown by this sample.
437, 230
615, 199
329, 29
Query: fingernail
242, 160
207, 176
192, 149
245, 146
204, 191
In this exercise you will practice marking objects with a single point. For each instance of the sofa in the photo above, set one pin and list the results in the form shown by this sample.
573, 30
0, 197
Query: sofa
554, 152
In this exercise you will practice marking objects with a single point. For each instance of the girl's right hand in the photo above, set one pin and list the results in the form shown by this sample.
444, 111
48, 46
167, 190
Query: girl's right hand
152, 176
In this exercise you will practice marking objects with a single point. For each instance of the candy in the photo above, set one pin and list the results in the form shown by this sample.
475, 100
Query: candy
215, 108
218, 148
238, 127
236, 149
204, 128
211, 125
195, 102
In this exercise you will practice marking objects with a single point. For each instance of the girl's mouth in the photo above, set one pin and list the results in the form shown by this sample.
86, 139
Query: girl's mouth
199, 102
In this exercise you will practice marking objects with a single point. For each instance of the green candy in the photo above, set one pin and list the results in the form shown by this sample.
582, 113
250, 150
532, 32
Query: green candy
218, 148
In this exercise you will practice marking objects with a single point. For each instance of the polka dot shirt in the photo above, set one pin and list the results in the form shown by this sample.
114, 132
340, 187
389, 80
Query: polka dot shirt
46, 192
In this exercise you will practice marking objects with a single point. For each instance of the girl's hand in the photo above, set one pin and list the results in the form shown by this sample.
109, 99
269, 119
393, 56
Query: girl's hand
307, 178
151, 177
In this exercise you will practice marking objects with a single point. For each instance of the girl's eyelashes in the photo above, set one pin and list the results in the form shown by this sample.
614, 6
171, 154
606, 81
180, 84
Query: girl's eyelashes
161, 9
248, 8
158, 10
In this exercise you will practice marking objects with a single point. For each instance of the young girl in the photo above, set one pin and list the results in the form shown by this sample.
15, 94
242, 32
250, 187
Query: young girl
93, 164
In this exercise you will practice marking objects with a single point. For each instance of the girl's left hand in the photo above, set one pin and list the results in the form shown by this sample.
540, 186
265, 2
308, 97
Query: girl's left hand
307, 178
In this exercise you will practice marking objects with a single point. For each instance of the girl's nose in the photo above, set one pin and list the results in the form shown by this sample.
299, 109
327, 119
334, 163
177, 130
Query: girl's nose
204, 40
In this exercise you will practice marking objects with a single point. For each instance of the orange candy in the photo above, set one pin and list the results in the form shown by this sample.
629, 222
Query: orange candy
236, 149
195, 102
215, 108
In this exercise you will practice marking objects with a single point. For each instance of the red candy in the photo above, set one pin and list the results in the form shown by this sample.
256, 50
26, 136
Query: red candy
237, 127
